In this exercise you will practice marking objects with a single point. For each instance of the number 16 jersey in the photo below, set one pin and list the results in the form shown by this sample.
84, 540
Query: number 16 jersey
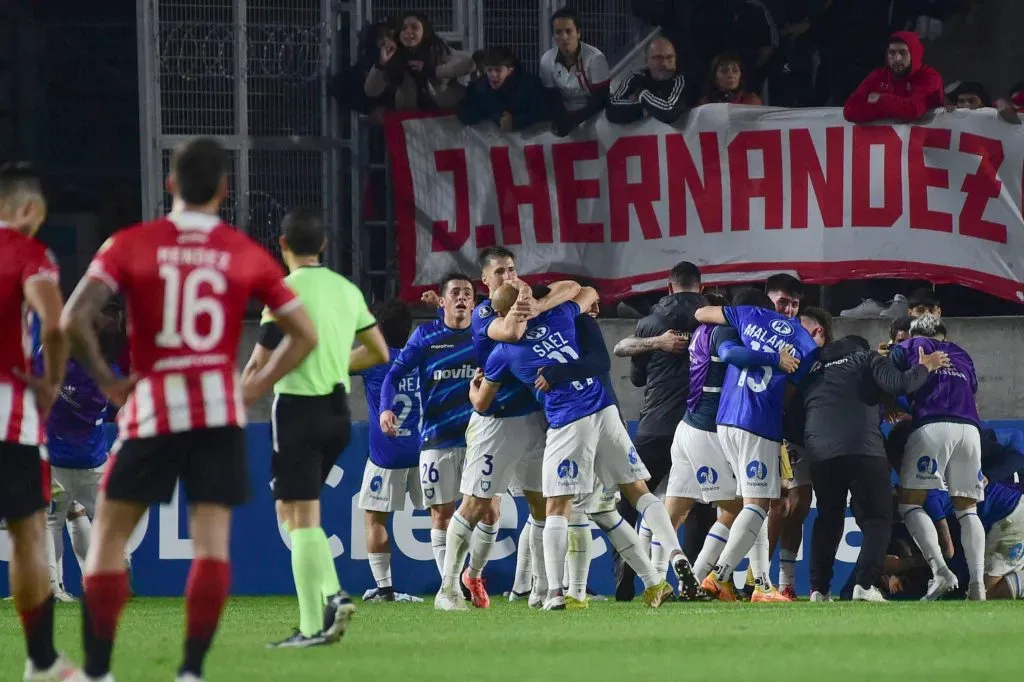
186, 280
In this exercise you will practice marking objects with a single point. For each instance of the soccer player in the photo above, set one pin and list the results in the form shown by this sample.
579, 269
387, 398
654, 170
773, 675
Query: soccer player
924, 301
786, 516
1002, 516
943, 452
441, 354
310, 421
586, 440
186, 280
700, 470
509, 434
392, 469
77, 444
28, 278
750, 430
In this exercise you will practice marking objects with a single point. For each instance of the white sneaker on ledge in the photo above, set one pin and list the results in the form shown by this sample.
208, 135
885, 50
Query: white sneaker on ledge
869, 307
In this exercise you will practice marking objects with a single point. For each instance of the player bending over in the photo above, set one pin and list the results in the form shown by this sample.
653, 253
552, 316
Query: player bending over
392, 470
186, 279
750, 430
586, 441
440, 353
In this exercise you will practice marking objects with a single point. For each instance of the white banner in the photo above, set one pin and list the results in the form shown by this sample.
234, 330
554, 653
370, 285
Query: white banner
741, 191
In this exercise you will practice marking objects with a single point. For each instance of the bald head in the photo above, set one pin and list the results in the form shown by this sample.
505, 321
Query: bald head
504, 298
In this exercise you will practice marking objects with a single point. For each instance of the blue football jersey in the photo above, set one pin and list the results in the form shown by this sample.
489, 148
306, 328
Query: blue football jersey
1001, 499
402, 451
550, 339
514, 398
445, 360
753, 398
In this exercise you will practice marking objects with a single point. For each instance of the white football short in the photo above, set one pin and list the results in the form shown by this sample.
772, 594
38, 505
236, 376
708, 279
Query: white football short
754, 462
700, 470
800, 465
498, 449
440, 474
385, 490
1004, 544
596, 447
81, 485
944, 455
603, 499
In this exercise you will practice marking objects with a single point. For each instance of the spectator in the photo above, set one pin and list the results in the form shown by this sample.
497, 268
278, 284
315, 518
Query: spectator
656, 91
899, 330
420, 71
508, 96
905, 89
1012, 107
924, 301
725, 82
575, 74
347, 86
968, 95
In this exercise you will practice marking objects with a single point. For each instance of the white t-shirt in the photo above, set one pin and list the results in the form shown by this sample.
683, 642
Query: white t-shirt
590, 72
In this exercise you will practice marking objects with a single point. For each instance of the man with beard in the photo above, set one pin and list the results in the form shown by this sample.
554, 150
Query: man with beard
905, 89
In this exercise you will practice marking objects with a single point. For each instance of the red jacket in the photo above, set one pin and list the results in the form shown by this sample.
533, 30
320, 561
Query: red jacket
903, 99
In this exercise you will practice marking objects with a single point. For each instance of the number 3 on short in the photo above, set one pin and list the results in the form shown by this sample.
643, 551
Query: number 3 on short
488, 465
430, 473
183, 306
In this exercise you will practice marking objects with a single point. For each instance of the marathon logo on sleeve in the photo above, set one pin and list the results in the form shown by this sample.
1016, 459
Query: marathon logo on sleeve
464, 372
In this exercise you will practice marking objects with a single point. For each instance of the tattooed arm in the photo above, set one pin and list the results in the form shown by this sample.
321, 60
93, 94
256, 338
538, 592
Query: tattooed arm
77, 323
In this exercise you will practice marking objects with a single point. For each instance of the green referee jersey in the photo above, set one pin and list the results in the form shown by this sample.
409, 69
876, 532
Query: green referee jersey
339, 311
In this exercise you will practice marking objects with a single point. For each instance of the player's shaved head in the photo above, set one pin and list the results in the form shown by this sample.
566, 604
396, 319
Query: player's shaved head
22, 203
504, 298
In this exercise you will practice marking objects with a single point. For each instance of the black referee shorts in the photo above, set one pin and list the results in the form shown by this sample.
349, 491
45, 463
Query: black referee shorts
309, 434
24, 481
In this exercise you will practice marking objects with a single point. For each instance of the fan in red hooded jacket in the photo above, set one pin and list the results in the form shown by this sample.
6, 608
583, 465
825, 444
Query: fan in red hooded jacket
905, 89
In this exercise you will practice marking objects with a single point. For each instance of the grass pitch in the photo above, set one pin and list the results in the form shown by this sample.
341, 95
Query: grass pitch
623, 642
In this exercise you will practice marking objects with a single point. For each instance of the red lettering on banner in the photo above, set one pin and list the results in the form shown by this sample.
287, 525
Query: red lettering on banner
806, 173
706, 193
743, 188
640, 194
921, 176
511, 196
862, 212
980, 187
569, 190
443, 237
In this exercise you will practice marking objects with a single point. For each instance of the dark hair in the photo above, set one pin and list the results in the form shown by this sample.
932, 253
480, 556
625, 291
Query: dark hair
499, 56
199, 166
17, 177
971, 88
711, 86
566, 13
900, 324
304, 232
685, 274
453, 276
540, 291
822, 317
432, 47
923, 296
752, 296
395, 321
787, 284
493, 253
715, 299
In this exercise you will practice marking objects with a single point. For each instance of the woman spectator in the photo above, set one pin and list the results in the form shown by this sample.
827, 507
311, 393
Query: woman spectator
575, 74
420, 69
725, 82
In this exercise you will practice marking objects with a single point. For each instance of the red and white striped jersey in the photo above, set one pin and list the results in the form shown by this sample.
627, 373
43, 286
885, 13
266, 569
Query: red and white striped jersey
24, 259
186, 280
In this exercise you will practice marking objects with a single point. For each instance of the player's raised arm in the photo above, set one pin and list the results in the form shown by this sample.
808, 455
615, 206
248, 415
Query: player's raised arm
43, 295
586, 299
710, 314
486, 381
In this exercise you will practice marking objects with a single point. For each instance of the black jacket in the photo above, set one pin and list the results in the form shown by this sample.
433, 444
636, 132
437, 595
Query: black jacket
663, 100
840, 399
666, 376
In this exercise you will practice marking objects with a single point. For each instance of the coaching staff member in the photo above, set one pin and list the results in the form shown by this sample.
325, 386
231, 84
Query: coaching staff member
843, 442
310, 423
660, 363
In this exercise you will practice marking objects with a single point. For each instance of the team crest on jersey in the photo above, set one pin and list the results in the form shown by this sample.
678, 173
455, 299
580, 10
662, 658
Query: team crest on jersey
485, 485
429, 493
485, 311
376, 483
781, 327
632, 456
537, 333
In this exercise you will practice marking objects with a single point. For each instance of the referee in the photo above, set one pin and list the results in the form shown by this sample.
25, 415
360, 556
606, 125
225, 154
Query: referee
310, 421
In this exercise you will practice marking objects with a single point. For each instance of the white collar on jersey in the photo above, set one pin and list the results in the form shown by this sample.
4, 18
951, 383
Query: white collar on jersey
192, 220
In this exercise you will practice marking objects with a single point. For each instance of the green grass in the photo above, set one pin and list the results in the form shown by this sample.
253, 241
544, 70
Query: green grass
718, 642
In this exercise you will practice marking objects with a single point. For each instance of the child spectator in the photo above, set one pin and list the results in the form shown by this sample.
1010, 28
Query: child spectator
507, 96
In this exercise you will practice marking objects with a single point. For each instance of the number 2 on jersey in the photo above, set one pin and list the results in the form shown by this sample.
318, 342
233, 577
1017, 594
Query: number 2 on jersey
404, 403
184, 306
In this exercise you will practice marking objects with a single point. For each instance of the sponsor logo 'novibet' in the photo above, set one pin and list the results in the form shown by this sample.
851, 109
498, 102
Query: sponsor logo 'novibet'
464, 372
742, 190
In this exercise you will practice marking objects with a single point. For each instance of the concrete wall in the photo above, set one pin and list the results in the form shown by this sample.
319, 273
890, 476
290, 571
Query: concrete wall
993, 343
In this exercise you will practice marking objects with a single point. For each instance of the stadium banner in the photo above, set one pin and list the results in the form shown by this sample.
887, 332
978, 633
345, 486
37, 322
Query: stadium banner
742, 191
161, 549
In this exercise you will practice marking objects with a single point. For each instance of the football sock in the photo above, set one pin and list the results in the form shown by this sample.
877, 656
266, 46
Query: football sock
328, 572
629, 546
380, 566
787, 568
759, 560
307, 570
457, 543
37, 624
438, 539
540, 569
524, 560
206, 592
556, 541
922, 529
656, 518
646, 539
972, 537
80, 530
104, 597
578, 555
714, 543
481, 544
742, 537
